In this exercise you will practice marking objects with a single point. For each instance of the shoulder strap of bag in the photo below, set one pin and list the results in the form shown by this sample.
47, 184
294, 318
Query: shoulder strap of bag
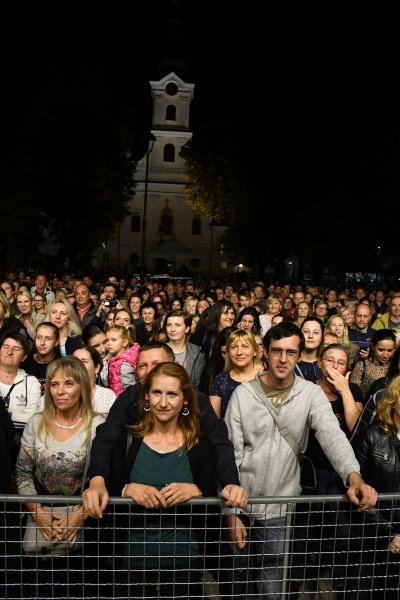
283, 429
6, 398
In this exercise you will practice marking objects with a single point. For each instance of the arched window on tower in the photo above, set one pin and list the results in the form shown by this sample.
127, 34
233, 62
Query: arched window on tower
169, 153
196, 225
170, 114
135, 223
166, 221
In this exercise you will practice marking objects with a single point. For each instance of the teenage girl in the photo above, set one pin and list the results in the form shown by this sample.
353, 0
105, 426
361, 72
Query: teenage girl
122, 357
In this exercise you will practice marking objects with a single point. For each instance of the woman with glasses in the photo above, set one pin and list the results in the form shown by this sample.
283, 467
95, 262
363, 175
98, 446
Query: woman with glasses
320, 309
336, 325
346, 401
40, 303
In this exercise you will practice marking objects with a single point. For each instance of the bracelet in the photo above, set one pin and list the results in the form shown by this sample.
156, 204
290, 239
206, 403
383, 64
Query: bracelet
123, 490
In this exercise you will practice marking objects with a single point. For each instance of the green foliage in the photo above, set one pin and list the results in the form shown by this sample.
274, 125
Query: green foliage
214, 180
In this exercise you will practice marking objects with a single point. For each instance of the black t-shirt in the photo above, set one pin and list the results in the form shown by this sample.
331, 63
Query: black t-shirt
314, 450
32, 367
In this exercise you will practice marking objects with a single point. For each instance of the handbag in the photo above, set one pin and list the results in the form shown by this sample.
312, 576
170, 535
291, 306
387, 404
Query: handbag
308, 476
34, 543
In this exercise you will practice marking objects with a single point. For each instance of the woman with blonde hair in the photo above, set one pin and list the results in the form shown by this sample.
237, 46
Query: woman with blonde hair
55, 448
242, 363
376, 450
62, 314
9, 323
274, 306
190, 305
337, 326
26, 312
347, 314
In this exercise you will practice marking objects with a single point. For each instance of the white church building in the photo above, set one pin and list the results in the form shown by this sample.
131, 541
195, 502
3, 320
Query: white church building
176, 236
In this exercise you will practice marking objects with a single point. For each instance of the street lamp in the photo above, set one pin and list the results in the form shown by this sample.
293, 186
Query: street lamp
149, 140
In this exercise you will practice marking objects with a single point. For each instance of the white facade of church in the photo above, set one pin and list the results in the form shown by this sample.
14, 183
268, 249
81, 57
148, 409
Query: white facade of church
175, 234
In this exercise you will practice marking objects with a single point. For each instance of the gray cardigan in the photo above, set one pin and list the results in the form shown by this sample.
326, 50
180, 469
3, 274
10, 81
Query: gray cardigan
194, 363
266, 463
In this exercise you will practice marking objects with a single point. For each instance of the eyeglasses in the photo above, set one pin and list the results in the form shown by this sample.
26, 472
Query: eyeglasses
332, 362
38, 300
291, 354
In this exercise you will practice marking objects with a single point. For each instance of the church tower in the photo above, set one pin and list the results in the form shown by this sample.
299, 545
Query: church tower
177, 238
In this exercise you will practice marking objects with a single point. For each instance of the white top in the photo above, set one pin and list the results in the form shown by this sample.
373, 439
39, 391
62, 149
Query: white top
103, 400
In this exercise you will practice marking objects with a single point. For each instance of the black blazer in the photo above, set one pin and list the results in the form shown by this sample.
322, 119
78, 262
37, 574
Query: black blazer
124, 412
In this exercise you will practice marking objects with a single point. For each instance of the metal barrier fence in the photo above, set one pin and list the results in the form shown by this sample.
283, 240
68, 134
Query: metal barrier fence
300, 547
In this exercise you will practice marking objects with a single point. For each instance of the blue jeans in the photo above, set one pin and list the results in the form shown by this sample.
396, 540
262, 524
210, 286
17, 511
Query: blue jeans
265, 552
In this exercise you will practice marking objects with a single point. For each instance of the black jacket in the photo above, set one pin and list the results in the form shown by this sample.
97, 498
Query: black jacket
124, 412
201, 460
72, 344
90, 317
379, 456
7, 433
12, 325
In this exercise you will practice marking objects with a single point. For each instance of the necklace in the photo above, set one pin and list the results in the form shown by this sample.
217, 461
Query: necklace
67, 426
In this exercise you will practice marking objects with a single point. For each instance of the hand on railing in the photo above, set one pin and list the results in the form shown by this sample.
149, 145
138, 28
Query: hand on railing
175, 493
235, 496
95, 498
145, 495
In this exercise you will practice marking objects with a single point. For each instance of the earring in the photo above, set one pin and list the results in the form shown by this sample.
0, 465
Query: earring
185, 410
146, 407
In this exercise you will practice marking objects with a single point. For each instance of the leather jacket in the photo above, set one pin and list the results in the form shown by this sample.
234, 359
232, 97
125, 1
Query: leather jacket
379, 456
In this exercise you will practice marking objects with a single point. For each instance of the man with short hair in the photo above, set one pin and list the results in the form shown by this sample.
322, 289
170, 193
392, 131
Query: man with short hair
298, 297
108, 294
269, 463
41, 287
124, 412
259, 293
391, 319
84, 306
361, 333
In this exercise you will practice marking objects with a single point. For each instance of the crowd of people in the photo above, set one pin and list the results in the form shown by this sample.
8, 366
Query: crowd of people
164, 392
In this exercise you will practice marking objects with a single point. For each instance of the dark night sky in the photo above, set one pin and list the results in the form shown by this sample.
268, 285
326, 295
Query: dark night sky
316, 84
325, 78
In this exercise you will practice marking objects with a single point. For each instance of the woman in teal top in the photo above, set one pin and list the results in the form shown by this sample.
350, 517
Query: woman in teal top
168, 463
